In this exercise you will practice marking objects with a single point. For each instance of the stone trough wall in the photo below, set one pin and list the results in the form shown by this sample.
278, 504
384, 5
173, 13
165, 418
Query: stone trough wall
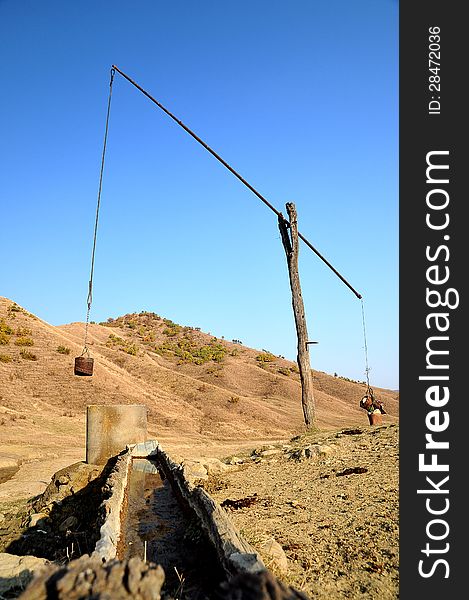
111, 507
103, 576
235, 554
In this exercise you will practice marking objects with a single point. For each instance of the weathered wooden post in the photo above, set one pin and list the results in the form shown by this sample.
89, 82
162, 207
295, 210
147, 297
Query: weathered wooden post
291, 246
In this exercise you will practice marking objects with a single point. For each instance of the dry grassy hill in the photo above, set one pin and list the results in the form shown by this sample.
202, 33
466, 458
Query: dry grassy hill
200, 391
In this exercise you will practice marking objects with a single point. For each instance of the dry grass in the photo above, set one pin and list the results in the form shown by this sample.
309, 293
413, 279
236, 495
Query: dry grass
194, 406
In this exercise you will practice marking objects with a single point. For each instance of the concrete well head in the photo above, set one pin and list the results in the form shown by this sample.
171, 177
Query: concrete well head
110, 427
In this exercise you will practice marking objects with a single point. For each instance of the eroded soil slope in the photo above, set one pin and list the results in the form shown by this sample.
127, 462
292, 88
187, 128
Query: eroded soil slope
331, 500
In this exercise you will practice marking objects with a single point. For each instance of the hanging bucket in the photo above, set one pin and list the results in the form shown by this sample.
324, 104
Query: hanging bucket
375, 418
84, 365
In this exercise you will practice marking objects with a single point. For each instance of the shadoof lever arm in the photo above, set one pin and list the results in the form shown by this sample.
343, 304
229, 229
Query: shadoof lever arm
236, 174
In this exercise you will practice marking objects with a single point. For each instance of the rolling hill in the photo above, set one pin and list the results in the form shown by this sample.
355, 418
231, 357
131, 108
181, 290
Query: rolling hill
203, 394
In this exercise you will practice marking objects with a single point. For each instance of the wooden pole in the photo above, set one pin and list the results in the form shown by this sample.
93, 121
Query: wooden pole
291, 246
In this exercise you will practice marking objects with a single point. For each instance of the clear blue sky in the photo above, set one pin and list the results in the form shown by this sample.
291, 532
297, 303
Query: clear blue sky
300, 97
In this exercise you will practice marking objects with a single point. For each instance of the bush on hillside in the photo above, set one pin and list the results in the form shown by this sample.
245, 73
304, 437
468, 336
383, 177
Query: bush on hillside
23, 331
27, 355
265, 357
4, 338
5, 328
24, 341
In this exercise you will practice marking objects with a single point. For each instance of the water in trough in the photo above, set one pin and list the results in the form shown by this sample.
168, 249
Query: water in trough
157, 527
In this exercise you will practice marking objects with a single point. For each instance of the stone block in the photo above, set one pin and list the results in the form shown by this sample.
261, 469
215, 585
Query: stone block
110, 428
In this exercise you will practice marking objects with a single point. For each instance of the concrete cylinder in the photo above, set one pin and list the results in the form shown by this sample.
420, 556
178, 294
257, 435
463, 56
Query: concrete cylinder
109, 428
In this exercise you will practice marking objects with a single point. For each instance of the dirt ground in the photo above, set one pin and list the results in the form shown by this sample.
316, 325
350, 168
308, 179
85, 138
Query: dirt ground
329, 498
335, 514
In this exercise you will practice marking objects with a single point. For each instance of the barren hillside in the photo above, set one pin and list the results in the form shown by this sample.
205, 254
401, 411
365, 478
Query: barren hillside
202, 393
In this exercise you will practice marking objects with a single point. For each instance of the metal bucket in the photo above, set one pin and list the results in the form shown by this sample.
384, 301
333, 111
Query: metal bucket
375, 418
83, 365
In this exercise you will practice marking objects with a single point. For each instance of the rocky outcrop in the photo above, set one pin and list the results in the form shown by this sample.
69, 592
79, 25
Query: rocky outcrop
65, 483
274, 555
17, 571
257, 586
89, 578
136, 580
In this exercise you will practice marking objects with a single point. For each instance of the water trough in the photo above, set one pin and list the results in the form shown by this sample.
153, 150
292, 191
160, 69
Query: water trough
157, 511
156, 524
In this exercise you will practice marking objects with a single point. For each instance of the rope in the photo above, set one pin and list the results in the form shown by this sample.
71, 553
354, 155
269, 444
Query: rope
90, 283
367, 368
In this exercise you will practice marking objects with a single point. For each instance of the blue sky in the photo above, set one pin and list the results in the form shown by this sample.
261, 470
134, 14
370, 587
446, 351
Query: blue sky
300, 97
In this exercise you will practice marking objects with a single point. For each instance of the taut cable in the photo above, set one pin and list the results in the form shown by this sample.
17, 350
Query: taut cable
90, 283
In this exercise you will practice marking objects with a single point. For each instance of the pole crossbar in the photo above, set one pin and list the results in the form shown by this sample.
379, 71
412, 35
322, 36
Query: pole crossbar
236, 174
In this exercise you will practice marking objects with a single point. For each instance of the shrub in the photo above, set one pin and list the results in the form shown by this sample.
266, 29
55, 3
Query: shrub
233, 400
172, 328
115, 339
284, 371
163, 348
4, 339
185, 357
27, 355
23, 332
5, 358
215, 370
189, 352
110, 322
63, 350
146, 313
131, 349
4, 328
213, 351
265, 357
24, 341
125, 345
5, 333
